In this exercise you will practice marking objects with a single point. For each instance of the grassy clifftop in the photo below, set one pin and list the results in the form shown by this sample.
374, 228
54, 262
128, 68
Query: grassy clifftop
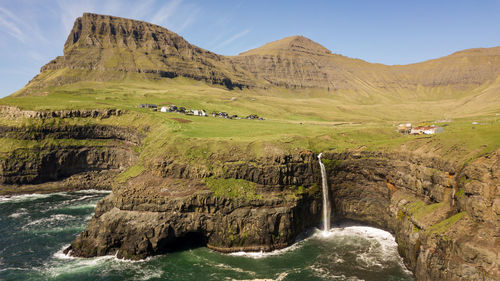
295, 120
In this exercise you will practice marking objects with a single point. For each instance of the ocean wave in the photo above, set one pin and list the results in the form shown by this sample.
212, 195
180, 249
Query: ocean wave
327, 275
35, 196
77, 207
259, 255
93, 191
13, 269
280, 277
20, 212
65, 264
235, 269
48, 222
62, 256
382, 248
23, 198
380, 252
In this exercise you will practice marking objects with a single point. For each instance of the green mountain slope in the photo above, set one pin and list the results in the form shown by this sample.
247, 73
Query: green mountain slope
106, 48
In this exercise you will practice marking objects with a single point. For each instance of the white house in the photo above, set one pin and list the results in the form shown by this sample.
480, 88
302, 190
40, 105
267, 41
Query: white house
197, 112
430, 130
164, 109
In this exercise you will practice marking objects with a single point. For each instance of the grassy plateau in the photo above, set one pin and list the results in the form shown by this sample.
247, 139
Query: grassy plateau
303, 119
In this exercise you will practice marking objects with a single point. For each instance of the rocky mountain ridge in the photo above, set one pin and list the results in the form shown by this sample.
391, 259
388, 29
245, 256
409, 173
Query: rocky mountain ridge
105, 48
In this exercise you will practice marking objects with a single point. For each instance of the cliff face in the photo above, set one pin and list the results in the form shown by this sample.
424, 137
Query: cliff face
150, 214
445, 218
139, 222
73, 156
114, 47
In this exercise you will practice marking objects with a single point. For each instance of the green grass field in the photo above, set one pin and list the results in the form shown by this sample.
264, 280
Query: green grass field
295, 119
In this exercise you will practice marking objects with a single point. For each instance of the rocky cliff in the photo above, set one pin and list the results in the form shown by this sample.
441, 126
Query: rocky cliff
445, 215
139, 220
115, 47
445, 218
64, 157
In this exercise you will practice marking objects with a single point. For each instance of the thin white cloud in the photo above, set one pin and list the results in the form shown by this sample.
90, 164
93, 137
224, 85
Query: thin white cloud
233, 38
143, 9
22, 30
11, 24
190, 19
164, 14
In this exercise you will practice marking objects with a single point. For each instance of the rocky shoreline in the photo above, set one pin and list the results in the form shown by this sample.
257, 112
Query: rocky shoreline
429, 205
445, 216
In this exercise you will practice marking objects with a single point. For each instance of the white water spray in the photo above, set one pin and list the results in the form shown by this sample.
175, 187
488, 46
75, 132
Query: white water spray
326, 202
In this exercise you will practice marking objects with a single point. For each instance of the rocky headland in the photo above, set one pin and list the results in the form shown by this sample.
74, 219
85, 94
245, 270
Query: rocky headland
445, 218
444, 215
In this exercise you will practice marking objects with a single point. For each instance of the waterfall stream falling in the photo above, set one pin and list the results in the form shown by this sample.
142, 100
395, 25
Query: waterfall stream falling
326, 201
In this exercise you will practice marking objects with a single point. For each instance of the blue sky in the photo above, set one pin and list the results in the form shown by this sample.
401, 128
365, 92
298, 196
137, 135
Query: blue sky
32, 32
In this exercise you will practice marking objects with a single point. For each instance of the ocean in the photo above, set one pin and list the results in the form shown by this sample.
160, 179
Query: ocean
34, 230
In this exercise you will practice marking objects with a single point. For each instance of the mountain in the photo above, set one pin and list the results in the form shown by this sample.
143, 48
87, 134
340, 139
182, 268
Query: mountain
106, 48
290, 44
299, 62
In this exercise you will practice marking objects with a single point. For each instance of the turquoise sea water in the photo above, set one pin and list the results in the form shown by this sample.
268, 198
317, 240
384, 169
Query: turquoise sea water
36, 228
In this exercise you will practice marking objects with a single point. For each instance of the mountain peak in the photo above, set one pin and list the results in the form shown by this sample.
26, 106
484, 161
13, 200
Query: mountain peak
115, 47
295, 43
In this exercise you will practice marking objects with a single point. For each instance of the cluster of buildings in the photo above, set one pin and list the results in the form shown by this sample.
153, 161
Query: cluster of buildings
419, 130
198, 112
173, 108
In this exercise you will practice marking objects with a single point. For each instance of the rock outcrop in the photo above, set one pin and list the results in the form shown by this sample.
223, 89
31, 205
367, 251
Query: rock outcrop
64, 163
31, 166
11, 112
445, 218
112, 47
138, 220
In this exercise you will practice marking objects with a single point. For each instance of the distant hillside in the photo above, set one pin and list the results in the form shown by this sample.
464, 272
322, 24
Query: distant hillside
107, 48
299, 62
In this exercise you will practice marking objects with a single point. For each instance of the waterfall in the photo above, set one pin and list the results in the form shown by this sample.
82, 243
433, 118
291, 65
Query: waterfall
326, 202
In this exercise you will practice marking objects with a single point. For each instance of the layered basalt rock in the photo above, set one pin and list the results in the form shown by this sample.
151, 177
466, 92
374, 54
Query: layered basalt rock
115, 46
444, 216
65, 164
32, 166
139, 220
12, 112
296, 169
